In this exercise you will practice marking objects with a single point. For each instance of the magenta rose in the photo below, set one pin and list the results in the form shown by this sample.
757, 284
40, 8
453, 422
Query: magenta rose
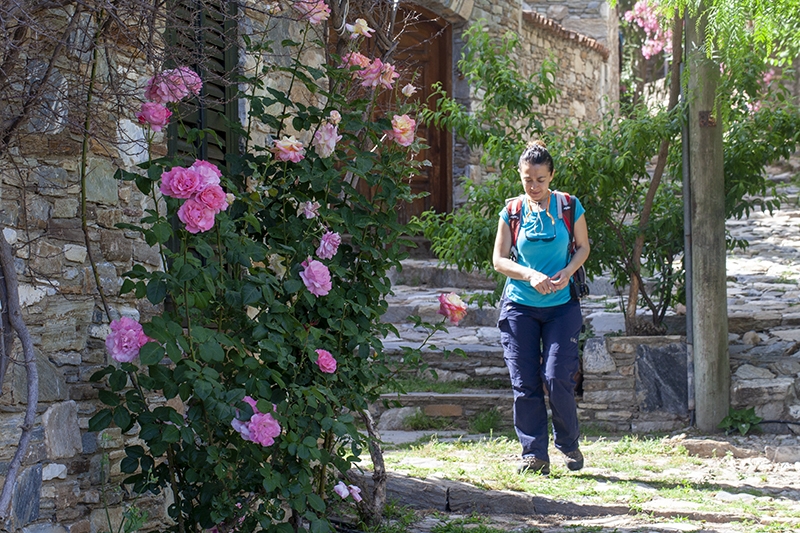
188, 78
197, 216
125, 340
326, 362
316, 277
214, 198
329, 245
263, 429
155, 115
180, 182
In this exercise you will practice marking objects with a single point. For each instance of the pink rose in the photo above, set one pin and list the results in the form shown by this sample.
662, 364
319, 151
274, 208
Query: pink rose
308, 209
452, 307
325, 139
314, 11
289, 149
197, 216
355, 492
249, 400
316, 277
370, 75
326, 362
180, 182
172, 85
402, 131
388, 75
354, 59
360, 28
328, 245
214, 198
125, 339
335, 117
263, 429
341, 490
155, 115
209, 173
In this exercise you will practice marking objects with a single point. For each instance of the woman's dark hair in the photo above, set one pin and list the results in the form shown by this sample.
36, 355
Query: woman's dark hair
536, 154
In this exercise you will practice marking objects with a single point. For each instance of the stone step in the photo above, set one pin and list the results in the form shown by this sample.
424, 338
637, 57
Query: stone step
417, 272
457, 410
477, 361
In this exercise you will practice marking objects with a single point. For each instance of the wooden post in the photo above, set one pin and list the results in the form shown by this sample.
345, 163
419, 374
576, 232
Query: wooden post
707, 181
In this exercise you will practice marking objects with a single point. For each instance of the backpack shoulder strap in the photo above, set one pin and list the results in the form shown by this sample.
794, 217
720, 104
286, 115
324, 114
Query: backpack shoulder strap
514, 210
566, 203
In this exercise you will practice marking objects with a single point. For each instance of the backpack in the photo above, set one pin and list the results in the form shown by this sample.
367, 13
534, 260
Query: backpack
566, 204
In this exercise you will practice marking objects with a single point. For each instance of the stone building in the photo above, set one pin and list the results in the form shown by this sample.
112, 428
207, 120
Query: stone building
60, 203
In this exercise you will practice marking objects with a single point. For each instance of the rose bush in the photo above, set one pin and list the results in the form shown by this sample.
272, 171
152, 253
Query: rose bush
245, 387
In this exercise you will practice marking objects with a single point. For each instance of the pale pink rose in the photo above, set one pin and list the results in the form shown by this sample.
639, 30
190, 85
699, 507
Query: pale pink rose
308, 209
409, 90
341, 489
241, 427
197, 217
209, 173
402, 131
289, 149
314, 11
325, 139
155, 115
388, 75
189, 78
328, 245
230, 198
173, 85
370, 75
355, 492
358, 29
316, 277
335, 117
214, 198
180, 182
125, 340
263, 429
326, 362
452, 307
354, 59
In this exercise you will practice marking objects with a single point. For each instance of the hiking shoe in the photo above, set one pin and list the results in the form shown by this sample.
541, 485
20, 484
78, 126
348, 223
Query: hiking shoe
574, 460
532, 464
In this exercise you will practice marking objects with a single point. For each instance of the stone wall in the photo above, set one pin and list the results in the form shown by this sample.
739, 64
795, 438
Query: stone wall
641, 384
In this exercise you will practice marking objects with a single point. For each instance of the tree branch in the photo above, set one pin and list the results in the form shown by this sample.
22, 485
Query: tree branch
15, 318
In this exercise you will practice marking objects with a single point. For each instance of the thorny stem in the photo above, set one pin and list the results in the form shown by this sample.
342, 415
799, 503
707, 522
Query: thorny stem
175, 490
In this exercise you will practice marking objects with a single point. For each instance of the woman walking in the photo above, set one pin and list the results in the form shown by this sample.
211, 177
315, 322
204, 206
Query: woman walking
540, 320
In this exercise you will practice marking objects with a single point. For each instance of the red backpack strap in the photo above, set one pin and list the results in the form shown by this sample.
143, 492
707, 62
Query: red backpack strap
566, 210
514, 211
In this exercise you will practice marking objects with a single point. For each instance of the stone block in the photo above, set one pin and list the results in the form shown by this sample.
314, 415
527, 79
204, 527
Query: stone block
26, 498
53, 471
65, 229
447, 410
65, 208
792, 335
81, 526
783, 454
61, 433
612, 397
115, 246
596, 359
47, 259
614, 416
67, 495
44, 528
99, 520
75, 253
52, 386
66, 358
662, 378
52, 181
756, 392
89, 442
10, 424
101, 186
142, 253
752, 372
656, 426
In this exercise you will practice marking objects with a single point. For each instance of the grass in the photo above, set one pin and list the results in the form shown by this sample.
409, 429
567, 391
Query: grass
632, 470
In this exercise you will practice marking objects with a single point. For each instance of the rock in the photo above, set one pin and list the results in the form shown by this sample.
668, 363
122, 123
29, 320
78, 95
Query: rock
101, 186
756, 392
25, 502
75, 253
53, 471
61, 433
751, 337
596, 359
395, 418
752, 372
714, 448
45, 528
783, 454
661, 378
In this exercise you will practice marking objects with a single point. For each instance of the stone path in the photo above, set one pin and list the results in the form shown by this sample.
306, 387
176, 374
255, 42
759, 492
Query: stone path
764, 311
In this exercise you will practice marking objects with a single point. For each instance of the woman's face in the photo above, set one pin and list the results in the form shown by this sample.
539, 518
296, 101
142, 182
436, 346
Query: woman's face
535, 180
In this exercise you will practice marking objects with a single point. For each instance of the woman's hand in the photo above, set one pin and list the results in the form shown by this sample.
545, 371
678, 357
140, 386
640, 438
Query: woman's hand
561, 279
542, 283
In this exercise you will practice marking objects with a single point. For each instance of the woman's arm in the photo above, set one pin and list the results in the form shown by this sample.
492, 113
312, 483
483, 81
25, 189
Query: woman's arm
581, 236
504, 265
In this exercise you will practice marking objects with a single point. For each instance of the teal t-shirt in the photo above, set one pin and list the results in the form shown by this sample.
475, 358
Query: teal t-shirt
542, 246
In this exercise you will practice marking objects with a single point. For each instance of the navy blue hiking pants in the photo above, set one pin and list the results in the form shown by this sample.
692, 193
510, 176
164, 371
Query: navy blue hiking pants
540, 346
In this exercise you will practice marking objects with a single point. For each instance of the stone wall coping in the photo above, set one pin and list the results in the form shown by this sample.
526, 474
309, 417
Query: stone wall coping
560, 31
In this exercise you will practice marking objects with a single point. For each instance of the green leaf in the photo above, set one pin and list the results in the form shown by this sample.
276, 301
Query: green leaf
151, 353
316, 502
156, 291
122, 418
129, 465
170, 434
118, 380
108, 397
162, 231
211, 351
250, 294
101, 420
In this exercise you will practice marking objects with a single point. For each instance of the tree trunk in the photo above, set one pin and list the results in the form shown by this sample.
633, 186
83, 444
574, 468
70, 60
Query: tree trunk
707, 183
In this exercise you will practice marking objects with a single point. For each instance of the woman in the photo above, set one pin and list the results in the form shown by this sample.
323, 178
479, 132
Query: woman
539, 319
